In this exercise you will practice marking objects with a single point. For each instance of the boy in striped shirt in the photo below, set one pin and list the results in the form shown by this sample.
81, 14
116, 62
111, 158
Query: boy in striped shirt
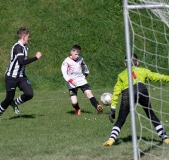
15, 74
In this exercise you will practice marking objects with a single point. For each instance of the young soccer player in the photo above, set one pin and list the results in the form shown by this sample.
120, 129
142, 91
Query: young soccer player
15, 73
75, 71
140, 75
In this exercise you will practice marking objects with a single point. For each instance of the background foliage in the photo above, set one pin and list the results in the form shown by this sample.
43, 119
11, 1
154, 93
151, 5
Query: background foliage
47, 127
55, 26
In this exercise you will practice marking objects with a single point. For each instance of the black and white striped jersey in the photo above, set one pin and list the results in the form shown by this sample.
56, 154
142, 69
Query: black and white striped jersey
18, 61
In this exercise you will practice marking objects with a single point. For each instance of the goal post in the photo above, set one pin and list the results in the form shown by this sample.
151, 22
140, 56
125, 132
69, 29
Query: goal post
128, 52
160, 10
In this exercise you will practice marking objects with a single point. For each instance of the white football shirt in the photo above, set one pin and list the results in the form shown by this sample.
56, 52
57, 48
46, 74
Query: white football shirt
74, 70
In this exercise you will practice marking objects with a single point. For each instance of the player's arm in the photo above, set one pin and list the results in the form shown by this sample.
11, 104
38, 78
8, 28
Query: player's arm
117, 91
23, 61
85, 69
153, 76
64, 69
115, 96
21, 57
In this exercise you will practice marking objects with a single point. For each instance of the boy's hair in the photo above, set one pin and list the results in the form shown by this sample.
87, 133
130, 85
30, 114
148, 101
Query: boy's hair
76, 47
22, 31
134, 59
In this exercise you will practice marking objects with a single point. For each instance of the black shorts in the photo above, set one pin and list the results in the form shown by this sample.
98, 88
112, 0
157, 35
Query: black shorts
73, 91
12, 83
140, 95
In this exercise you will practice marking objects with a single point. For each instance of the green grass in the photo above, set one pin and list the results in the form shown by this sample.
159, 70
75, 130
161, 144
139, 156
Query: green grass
47, 129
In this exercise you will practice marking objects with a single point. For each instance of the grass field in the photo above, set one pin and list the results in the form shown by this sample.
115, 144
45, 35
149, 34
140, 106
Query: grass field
47, 129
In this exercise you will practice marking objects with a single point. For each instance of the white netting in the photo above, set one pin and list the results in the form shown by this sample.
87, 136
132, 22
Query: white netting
149, 35
162, 14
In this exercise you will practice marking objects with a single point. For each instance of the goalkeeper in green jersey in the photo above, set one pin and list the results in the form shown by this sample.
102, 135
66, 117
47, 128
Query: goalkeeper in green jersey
140, 75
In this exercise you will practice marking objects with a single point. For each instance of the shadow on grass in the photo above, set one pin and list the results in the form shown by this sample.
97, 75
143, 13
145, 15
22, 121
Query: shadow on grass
23, 116
82, 111
148, 150
88, 112
129, 139
142, 154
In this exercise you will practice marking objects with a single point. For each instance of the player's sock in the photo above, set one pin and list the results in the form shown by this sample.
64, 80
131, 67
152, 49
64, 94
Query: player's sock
161, 132
94, 102
115, 132
1, 110
76, 106
18, 101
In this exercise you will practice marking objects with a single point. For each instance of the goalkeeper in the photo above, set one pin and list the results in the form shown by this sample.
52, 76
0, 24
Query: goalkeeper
140, 75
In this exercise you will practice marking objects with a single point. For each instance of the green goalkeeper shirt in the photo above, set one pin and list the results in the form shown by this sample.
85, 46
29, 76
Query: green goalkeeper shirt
139, 75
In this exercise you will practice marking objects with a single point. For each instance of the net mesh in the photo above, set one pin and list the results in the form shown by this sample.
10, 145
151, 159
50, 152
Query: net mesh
149, 35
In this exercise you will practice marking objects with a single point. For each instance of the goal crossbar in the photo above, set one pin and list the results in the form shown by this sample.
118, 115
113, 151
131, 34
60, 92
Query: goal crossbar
150, 6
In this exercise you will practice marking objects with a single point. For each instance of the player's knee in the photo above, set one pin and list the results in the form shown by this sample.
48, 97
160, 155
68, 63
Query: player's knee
29, 96
73, 100
88, 94
74, 103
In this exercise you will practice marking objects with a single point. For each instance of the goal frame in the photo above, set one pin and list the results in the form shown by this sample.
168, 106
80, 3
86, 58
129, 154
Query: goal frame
126, 8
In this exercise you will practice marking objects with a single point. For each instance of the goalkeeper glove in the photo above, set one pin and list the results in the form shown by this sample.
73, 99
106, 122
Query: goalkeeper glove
85, 74
112, 114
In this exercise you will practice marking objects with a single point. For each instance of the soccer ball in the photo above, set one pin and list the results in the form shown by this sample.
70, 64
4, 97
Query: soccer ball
106, 98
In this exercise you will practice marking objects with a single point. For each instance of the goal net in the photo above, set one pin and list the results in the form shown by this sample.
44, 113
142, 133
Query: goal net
149, 39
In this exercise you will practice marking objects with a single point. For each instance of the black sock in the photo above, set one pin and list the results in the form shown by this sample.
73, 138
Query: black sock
94, 102
76, 106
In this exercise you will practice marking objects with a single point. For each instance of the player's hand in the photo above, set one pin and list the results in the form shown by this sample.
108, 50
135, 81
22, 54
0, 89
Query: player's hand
112, 114
85, 74
74, 83
38, 55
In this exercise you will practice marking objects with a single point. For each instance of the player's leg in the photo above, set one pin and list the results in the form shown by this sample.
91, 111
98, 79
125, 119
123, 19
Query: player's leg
87, 90
145, 102
8, 100
11, 84
74, 101
123, 113
25, 86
